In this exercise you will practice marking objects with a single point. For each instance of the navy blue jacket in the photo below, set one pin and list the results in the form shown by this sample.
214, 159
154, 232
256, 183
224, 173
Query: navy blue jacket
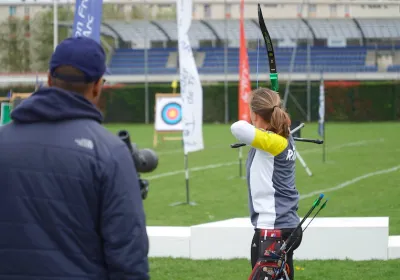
70, 205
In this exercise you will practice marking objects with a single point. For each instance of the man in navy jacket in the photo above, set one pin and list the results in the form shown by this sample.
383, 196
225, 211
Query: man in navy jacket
70, 204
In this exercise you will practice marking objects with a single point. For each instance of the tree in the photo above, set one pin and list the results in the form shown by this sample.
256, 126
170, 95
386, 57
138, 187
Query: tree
42, 33
15, 53
27, 44
165, 12
113, 12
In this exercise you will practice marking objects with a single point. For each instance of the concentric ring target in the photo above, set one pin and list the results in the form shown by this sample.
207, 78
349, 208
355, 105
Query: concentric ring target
171, 113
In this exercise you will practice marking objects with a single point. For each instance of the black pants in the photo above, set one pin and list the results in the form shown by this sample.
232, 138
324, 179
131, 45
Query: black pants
295, 241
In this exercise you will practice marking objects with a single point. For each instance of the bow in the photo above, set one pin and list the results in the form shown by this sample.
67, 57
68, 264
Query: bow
273, 74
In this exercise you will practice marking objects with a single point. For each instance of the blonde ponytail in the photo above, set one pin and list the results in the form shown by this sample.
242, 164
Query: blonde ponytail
280, 122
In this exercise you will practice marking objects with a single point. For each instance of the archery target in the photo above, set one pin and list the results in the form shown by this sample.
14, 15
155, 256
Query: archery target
172, 113
168, 113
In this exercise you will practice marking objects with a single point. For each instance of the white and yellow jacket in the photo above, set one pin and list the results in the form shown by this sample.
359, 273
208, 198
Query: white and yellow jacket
273, 197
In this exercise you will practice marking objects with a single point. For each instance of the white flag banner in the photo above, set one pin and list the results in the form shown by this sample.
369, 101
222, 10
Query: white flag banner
321, 110
191, 90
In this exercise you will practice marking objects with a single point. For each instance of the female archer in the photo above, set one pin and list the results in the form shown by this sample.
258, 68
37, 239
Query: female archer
273, 197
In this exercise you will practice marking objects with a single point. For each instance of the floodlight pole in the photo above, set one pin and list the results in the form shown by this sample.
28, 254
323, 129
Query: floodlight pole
55, 23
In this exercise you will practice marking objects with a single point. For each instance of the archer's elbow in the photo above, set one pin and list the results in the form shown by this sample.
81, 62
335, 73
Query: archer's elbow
237, 128
243, 131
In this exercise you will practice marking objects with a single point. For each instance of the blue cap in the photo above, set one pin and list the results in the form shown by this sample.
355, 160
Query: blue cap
82, 53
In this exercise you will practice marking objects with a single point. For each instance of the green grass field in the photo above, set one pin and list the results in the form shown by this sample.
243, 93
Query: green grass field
361, 177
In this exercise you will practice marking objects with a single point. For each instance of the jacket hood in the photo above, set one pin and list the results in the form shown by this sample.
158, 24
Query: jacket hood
54, 104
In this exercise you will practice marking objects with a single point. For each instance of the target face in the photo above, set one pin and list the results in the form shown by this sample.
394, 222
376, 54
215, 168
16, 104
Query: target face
168, 112
171, 113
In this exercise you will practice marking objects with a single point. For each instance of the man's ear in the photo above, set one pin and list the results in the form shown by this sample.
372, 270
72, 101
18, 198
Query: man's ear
97, 89
49, 79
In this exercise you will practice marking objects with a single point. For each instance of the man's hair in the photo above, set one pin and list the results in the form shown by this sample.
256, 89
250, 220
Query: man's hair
78, 84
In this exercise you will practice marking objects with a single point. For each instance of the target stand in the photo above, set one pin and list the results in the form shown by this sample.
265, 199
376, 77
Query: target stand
167, 117
17, 98
10, 103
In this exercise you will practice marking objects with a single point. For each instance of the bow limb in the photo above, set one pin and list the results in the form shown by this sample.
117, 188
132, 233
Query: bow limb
273, 75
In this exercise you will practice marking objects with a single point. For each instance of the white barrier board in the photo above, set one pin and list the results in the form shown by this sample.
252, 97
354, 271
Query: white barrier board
394, 247
345, 238
326, 238
169, 242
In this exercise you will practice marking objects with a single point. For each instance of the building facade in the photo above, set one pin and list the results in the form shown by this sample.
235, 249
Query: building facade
218, 9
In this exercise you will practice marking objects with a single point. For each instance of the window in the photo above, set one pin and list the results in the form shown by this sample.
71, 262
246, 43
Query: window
207, 11
299, 10
26, 10
271, 5
228, 10
194, 10
346, 10
12, 10
120, 8
375, 6
312, 9
333, 10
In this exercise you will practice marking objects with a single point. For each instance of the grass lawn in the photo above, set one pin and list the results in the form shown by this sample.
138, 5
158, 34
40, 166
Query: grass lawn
355, 155
182, 269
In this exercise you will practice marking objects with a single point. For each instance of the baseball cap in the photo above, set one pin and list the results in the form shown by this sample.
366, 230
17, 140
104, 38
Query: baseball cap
82, 53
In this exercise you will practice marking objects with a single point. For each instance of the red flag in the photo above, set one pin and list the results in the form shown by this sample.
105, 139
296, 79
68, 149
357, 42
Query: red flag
244, 79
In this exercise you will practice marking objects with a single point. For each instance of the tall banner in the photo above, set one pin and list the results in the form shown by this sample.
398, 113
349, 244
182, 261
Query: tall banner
321, 113
321, 110
191, 89
87, 19
244, 79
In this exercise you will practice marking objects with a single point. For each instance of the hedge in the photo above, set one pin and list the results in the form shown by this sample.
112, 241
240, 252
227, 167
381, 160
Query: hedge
368, 101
